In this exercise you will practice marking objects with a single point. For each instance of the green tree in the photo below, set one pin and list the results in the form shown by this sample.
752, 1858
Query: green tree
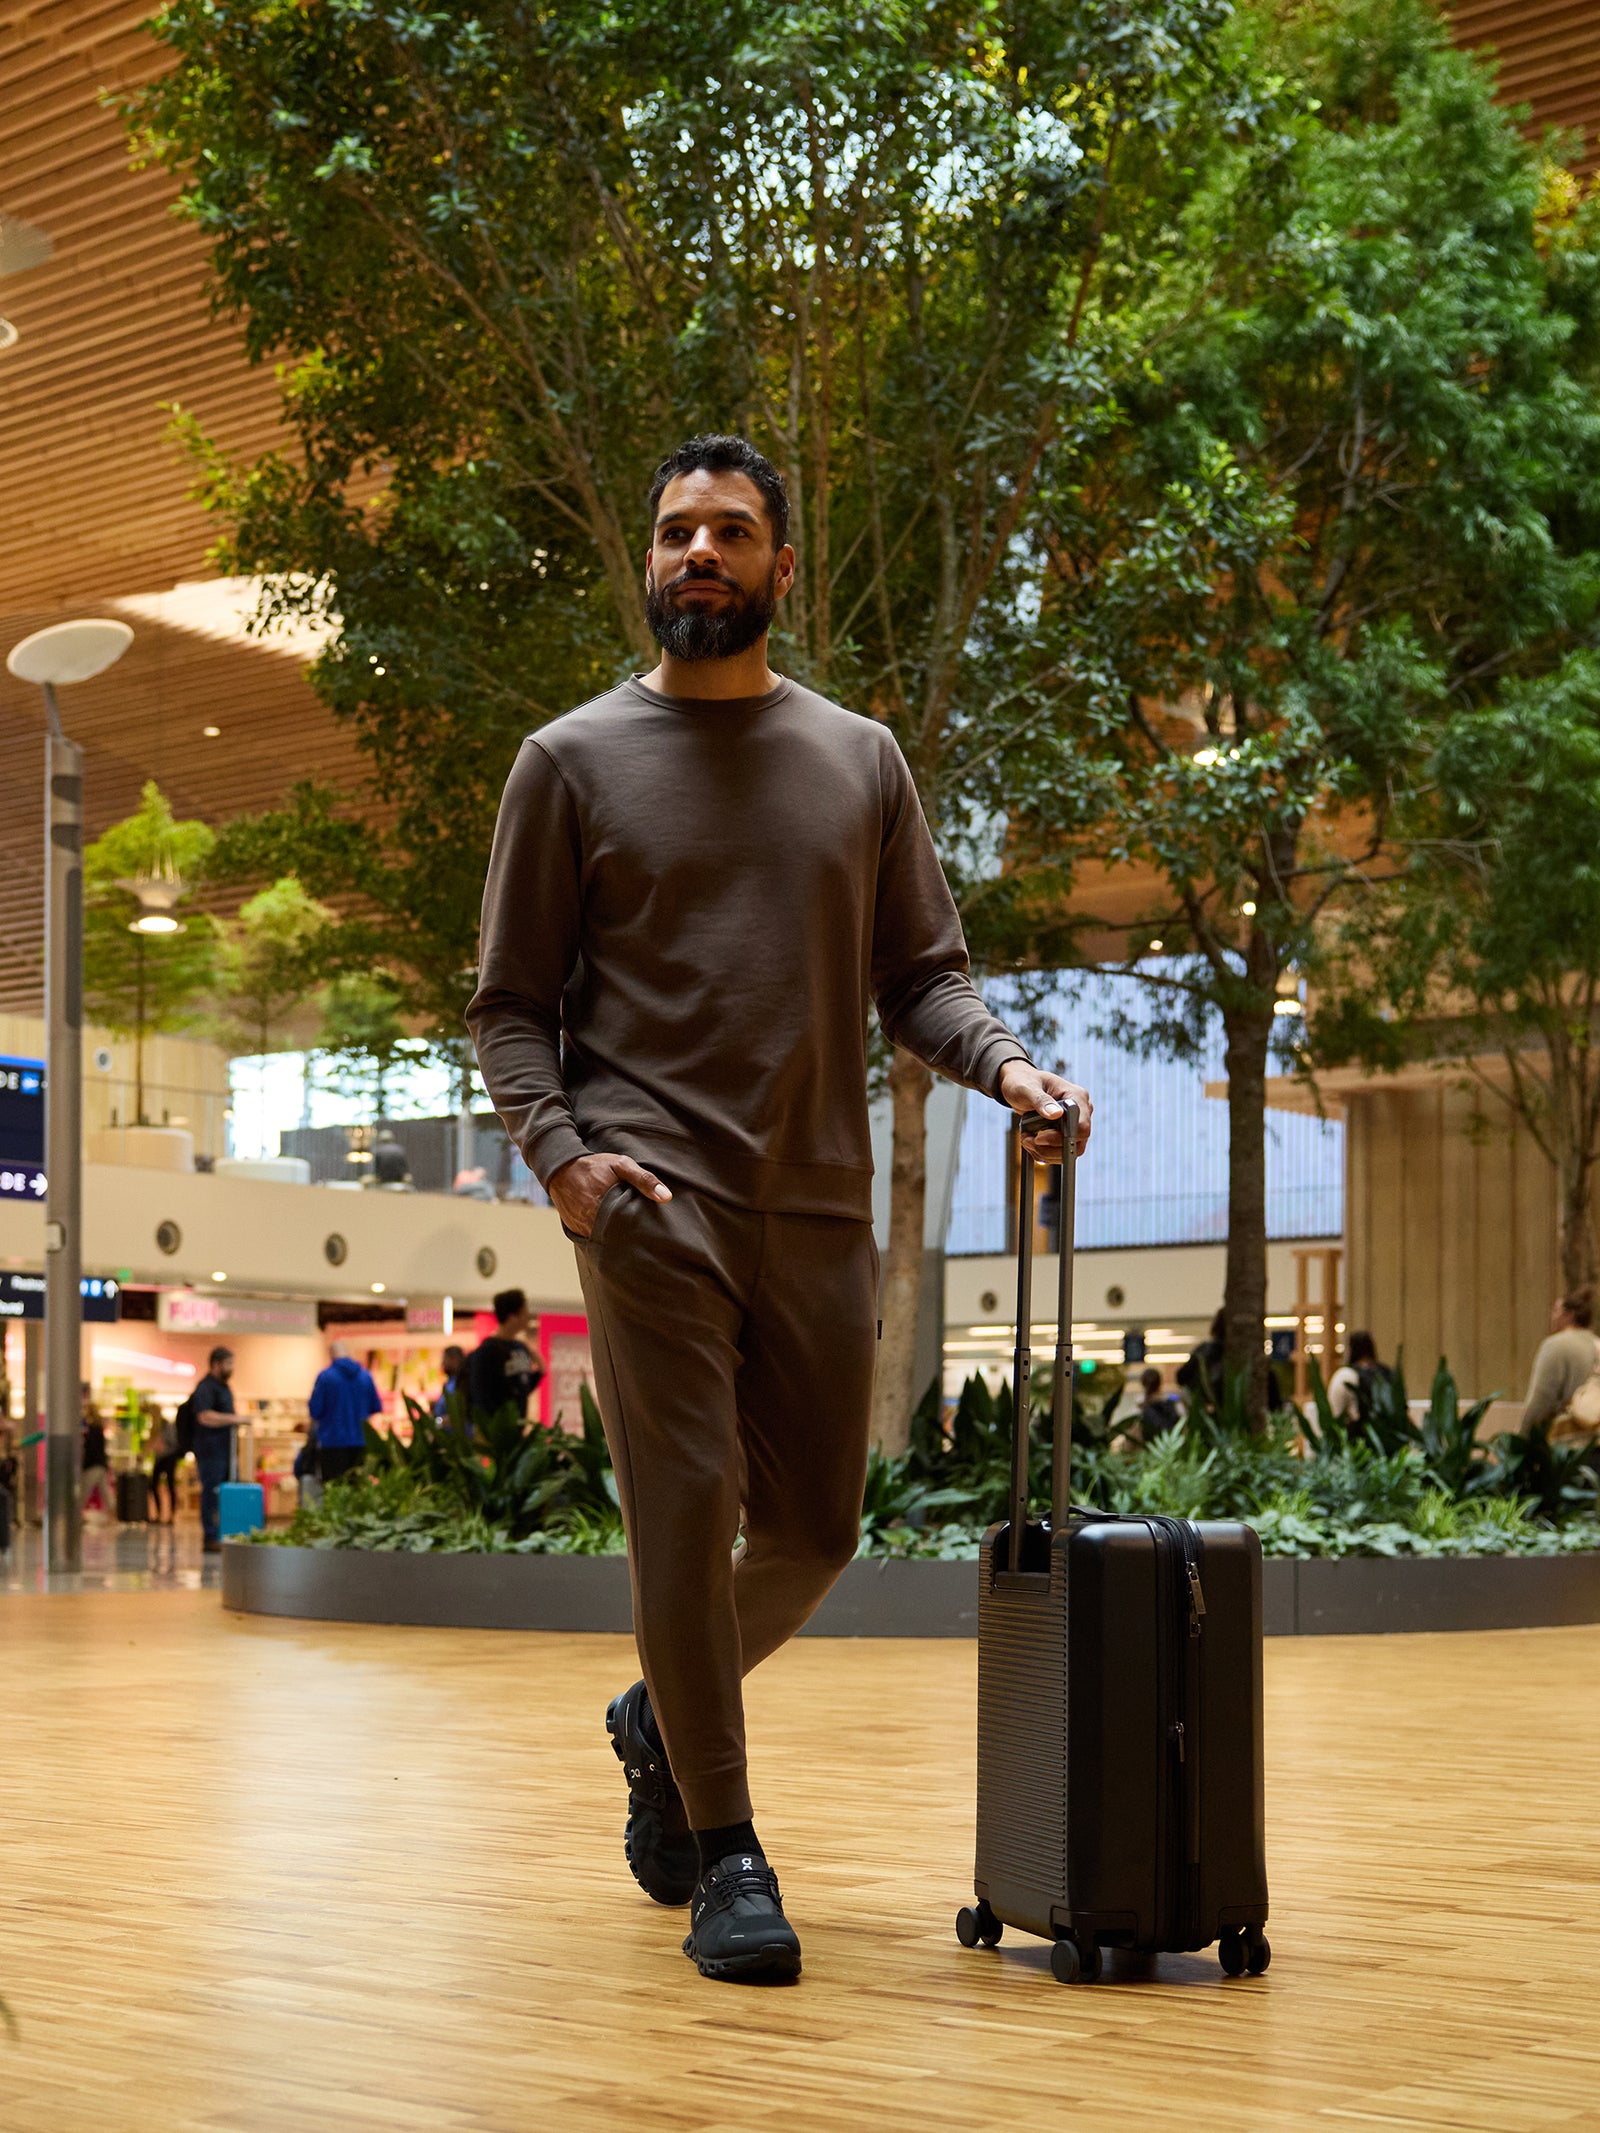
363, 1039
269, 962
1483, 945
1351, 495
513, 254
141, 984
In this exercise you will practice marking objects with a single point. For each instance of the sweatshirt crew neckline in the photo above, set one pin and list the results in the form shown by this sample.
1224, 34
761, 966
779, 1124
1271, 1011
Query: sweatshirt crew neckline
638, 687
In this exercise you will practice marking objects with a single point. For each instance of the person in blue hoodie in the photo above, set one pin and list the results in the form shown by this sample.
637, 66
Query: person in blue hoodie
341, 1400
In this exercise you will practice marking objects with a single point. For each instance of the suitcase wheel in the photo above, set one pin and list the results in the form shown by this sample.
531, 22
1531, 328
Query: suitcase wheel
978, 1922
1064, 1962
1243, 1948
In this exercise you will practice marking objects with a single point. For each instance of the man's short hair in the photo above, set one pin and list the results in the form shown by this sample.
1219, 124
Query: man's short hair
717, 454
1151, 1381
219, 1355
508, 1303
1363, 1348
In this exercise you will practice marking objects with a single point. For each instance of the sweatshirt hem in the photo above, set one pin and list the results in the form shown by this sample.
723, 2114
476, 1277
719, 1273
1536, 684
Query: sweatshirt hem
764, 1184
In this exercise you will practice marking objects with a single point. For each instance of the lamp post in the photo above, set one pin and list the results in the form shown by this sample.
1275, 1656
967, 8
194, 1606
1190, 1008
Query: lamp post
55, 657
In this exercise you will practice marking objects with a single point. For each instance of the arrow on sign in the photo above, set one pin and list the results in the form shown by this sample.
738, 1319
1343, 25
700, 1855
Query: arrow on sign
41, 1185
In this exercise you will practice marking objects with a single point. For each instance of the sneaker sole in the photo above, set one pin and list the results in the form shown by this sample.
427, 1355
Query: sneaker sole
671, 1901
777, 1964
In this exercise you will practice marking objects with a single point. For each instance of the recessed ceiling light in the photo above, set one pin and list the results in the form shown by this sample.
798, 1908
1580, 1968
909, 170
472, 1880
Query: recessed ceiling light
211, 732
378, 1288
219, 1277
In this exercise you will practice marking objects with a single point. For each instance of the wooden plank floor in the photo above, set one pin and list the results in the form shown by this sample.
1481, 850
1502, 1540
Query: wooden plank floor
257, 1877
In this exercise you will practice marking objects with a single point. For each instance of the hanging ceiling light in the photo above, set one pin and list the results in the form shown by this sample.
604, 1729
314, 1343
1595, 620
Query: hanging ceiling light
157, 893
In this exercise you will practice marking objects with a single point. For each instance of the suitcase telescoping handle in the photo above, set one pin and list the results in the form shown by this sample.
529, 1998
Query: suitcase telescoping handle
1061, 1389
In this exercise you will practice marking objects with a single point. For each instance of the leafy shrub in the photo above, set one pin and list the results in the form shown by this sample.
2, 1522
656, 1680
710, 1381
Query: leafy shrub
1309, 1485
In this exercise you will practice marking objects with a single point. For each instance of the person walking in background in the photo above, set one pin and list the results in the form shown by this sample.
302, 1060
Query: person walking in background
164, 1457
95, 1486
700, 883
211, 1407
342, 1399
1567, 1359
1204, 1367
453, 1362
1351, 1387
1159, 1412
502, 1369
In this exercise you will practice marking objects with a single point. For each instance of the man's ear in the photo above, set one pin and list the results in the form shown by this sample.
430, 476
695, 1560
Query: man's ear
784, 570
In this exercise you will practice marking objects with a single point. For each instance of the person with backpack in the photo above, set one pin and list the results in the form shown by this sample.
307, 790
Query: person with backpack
207, 1419
503, 1369
1350, 1390
1566, 1371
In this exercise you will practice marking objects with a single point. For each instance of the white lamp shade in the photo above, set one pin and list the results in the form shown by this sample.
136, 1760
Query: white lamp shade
69, 651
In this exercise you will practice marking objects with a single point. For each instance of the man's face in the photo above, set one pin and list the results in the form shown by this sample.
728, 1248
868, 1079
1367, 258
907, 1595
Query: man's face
713, 579
223, 1368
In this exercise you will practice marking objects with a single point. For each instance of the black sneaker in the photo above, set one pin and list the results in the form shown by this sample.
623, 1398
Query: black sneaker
737, 1927
661, 1851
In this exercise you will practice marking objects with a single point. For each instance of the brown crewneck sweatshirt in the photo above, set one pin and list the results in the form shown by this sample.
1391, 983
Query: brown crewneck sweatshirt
701, 897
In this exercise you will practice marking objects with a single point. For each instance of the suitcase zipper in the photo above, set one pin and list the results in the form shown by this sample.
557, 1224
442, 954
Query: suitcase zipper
1183, 1818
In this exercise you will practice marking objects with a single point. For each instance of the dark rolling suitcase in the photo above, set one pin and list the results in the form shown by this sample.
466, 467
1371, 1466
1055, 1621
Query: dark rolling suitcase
1120, 1792
133, 1498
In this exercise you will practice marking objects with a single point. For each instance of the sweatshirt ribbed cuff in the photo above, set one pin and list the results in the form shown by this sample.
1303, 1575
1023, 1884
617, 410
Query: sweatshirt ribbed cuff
995, 1054
550, 1150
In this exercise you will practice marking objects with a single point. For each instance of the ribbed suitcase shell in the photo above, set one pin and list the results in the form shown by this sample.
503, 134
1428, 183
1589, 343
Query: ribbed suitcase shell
1084, 1808
1120, 1785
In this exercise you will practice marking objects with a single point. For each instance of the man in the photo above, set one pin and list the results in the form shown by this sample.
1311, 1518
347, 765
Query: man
502, 1369
341, 1400
211, 1405
699, 882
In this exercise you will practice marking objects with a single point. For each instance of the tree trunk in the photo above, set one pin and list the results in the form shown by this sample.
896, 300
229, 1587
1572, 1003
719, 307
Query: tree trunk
1244, 1302
1574, 1219
893, 1392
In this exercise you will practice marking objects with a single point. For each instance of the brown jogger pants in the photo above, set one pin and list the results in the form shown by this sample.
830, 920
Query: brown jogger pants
733, 1355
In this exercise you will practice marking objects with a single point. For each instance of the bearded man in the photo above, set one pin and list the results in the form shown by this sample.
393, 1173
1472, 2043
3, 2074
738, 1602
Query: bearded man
700, 881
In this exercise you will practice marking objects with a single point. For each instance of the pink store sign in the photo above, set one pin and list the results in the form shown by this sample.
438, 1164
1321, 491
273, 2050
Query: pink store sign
564, 1352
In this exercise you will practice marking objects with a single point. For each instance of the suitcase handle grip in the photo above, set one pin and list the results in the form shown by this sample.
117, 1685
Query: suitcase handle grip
1061, 1389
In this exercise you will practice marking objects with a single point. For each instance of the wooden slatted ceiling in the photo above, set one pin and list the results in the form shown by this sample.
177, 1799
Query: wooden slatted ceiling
114, 327
1548, 55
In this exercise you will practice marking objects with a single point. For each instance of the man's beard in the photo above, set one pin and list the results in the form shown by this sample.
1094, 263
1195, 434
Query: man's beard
694, 633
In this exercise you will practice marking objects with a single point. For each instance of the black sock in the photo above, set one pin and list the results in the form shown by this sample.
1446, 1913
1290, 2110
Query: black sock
722, 1843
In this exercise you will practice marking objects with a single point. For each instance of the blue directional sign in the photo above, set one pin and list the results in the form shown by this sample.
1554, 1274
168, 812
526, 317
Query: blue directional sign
22, 1296
22, 1129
